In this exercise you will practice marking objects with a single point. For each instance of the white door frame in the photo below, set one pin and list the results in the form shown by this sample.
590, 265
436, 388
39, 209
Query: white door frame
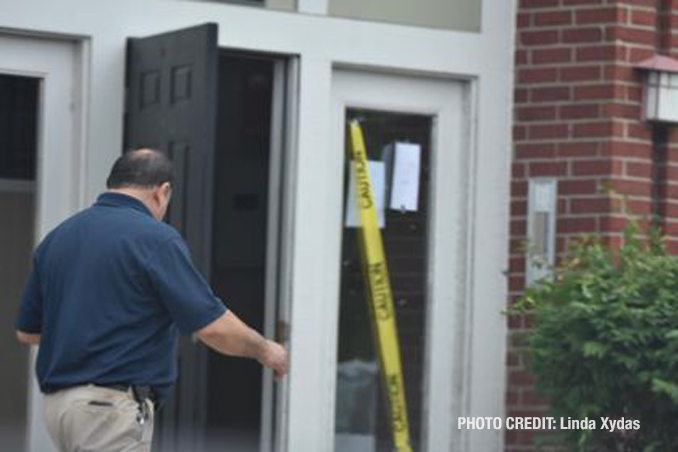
61, 66
447, 254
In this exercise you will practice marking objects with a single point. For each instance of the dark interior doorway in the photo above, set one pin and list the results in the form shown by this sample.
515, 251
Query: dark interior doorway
19, 112
239, 241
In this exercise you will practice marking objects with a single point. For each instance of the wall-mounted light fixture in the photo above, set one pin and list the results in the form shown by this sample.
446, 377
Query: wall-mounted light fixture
661, 88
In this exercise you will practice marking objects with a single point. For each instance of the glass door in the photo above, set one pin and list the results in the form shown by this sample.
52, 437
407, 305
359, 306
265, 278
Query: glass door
362, 420
417, 137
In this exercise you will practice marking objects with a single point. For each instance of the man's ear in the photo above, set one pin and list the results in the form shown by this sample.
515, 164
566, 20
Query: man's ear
165, 188
161, 192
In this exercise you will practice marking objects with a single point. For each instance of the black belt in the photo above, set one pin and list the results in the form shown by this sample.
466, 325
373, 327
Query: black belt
139, 392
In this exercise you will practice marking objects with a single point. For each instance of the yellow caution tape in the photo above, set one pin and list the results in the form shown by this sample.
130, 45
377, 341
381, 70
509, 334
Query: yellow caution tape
381, 297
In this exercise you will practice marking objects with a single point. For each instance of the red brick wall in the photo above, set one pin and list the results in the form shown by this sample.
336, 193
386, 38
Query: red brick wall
579, 118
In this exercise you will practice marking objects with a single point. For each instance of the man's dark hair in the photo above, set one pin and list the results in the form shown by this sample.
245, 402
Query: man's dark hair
141, 168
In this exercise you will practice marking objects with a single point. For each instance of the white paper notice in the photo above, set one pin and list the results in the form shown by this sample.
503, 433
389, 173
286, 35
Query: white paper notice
378, 180
405, 162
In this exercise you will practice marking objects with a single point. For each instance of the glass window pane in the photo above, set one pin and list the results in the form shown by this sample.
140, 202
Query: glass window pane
664, 79
462, 15
18, 122
362, 422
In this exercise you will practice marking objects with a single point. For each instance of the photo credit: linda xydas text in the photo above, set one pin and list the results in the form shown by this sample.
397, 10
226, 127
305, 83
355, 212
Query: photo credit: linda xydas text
546, 423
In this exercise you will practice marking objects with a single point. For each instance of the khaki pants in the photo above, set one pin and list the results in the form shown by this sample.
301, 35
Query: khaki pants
95, 419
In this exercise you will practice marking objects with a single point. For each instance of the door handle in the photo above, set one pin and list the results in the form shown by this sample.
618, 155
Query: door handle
282, 331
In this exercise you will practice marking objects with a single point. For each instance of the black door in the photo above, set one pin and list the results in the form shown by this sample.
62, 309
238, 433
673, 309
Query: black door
171, 105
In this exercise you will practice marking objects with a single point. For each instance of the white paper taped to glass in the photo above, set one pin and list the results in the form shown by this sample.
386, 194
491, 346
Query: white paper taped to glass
403, 162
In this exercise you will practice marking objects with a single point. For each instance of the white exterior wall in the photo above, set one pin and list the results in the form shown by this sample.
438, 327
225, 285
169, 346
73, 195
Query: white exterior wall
484, 59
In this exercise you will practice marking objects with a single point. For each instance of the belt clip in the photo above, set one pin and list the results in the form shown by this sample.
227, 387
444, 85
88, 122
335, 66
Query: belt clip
142, 415
140, 395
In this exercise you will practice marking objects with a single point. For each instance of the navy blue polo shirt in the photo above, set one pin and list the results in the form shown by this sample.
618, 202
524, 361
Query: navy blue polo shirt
109, 291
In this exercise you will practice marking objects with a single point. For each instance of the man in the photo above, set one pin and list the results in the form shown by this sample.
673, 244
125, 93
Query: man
109, 290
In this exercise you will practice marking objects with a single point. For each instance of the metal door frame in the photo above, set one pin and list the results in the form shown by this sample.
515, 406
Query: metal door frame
276, 309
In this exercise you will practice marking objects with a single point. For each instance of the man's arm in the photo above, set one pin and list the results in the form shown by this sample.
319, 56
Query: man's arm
230, 336
192, 304
28, 339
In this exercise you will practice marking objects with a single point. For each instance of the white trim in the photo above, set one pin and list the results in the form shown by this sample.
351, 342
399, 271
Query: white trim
451, 224
273, 246
490, 240
316, 232
287, 249
466, 402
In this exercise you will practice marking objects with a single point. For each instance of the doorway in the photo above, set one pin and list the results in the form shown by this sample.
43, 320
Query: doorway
244, 233
220, 116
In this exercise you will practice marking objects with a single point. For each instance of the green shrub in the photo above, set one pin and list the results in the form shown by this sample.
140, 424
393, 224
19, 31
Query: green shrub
604, 342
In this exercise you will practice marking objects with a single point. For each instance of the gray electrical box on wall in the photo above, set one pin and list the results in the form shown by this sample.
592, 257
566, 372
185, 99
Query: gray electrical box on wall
541, 229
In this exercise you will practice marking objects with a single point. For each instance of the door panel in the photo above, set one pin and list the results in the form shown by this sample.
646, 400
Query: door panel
171, 106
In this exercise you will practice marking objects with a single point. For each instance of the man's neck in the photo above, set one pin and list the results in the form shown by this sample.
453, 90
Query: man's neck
144, 196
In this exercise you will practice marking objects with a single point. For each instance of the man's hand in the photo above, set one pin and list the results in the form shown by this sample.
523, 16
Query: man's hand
274, 357
231, 336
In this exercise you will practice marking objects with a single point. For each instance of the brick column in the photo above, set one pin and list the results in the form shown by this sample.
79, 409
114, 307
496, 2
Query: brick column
579, 118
